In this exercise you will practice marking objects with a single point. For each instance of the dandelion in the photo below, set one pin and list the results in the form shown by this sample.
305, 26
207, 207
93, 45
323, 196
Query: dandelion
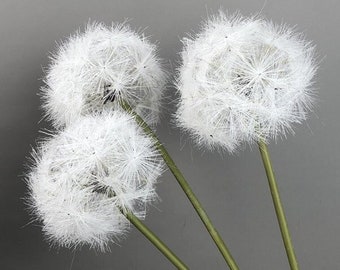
92, 70
86, 176
246, 79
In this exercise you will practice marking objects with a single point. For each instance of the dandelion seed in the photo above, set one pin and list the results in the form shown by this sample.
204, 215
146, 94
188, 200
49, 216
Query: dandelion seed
246, 79
94, 69
84, 176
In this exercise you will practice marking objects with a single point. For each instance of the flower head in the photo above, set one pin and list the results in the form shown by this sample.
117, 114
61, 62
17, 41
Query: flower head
246, 79
91, 71
84, 176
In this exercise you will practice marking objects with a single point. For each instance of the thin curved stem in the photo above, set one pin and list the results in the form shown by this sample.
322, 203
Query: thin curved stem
155, 240
186, 188
278, 206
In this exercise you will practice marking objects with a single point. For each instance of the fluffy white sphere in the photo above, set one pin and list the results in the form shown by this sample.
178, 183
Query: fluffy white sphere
91, 71
84, 175
245, 79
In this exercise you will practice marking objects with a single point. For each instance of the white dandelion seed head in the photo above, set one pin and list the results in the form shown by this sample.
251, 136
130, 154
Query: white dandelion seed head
86, 174
92, 70
243, 79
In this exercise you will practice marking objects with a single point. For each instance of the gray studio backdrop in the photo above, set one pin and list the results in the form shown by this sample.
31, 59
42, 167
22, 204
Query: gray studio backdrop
232, 188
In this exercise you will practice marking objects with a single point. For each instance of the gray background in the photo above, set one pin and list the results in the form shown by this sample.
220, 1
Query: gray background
232, 188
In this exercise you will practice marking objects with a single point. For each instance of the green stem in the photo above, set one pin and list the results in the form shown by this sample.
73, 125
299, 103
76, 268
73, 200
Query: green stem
186, 188
278, 206
156, 241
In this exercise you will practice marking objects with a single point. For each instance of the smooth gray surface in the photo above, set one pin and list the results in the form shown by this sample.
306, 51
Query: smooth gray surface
232, 188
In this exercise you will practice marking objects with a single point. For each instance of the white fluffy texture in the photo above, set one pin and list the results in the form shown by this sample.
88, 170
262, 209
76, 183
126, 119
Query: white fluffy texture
83, 176
243, 79
92, 70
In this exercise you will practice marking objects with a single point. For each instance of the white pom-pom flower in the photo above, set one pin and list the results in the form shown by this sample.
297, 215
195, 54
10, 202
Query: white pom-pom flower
242, 80
91, 71
84, 176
